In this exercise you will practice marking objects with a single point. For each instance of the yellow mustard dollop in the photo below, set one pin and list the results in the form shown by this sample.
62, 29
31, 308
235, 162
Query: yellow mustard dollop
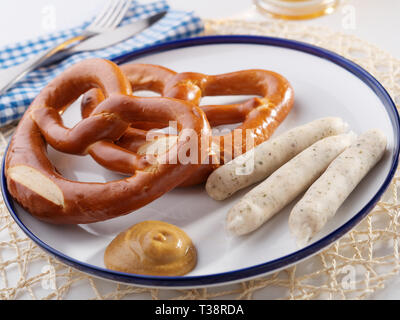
152, 248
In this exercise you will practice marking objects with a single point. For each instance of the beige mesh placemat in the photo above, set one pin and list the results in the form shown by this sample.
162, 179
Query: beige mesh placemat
354, 267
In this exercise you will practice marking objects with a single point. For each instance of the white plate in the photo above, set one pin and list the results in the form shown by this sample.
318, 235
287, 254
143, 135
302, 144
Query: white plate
325, 84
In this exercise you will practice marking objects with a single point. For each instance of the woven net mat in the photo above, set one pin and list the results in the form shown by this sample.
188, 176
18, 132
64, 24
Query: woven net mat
354, 267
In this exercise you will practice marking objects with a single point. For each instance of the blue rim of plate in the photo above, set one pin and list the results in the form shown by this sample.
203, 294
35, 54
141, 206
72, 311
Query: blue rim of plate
260, 269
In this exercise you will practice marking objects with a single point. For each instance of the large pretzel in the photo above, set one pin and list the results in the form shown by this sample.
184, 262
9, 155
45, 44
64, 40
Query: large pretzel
259, 115
34, 182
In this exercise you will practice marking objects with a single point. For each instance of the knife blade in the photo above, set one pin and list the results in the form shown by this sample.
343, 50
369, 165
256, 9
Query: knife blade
107, 39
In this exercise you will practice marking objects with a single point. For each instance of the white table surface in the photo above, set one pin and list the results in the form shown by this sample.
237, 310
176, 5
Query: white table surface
376, 21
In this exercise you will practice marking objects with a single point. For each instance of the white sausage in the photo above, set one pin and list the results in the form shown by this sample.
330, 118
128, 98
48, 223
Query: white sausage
326, 195
284, 185
258, 163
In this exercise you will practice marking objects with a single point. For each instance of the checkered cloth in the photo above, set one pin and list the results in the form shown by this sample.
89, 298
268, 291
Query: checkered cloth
174, 25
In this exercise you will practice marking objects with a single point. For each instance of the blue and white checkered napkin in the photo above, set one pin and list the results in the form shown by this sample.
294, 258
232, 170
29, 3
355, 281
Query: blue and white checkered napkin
175, 25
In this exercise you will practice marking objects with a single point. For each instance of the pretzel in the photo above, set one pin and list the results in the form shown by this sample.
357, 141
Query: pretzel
259, 115
35, 183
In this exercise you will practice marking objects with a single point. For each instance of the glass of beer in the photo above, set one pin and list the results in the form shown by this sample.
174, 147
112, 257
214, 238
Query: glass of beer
297, 9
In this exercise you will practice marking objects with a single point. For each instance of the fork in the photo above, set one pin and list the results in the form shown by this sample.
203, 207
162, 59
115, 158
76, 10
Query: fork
108, 19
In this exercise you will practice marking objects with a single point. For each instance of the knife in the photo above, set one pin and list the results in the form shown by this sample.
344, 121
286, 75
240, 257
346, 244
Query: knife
106, 39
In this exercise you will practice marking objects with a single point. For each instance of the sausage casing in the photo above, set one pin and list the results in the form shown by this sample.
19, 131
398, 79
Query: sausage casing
285, 184
258, 163
322, 200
